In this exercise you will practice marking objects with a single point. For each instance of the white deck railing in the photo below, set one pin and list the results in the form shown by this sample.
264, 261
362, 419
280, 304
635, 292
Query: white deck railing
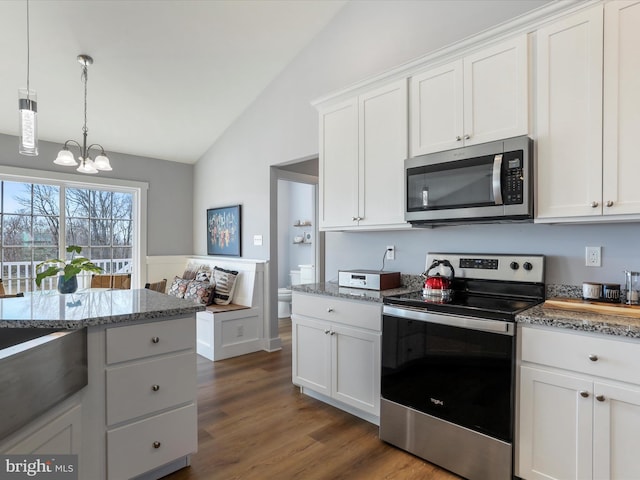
19, 276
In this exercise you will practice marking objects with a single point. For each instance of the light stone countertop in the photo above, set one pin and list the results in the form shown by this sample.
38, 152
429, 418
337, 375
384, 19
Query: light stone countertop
332, 289
50, 309
578, 320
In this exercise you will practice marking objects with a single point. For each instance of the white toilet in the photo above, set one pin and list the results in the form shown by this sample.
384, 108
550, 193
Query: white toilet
306, 274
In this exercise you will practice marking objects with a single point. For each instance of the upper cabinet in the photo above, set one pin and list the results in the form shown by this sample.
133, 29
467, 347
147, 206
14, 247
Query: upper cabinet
363, 144
479, 98
588, 66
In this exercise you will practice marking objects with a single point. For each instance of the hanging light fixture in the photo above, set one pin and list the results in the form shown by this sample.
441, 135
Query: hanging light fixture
28, 111
65, 157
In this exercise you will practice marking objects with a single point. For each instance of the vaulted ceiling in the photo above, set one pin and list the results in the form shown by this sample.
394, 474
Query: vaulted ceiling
169, 76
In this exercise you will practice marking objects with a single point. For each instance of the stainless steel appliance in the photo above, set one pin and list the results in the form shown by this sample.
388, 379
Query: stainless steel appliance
448, 365
490, 182
369, 279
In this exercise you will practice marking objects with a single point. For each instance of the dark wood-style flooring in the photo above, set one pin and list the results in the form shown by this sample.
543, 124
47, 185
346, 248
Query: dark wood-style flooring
253, 423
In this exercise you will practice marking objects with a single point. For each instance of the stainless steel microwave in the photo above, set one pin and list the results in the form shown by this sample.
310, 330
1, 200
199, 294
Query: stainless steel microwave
489, 182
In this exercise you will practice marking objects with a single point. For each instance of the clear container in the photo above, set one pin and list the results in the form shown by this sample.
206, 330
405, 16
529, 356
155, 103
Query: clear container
632, 283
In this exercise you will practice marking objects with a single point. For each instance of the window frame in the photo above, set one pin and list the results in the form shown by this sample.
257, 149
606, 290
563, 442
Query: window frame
65, 180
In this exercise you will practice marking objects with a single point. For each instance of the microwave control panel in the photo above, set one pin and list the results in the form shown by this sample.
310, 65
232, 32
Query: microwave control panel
513, 178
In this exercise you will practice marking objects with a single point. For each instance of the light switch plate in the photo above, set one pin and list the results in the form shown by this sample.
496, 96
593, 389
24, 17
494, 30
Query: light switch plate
257, 240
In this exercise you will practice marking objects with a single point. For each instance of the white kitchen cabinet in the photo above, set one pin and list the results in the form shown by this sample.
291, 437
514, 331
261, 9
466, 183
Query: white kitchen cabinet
151, 416
579, 412
587, 104
58, 431
336, 351
363, 144
479, 98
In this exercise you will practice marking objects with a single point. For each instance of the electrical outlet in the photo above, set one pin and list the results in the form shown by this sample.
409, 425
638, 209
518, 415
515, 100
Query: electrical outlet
593, 256
391, 252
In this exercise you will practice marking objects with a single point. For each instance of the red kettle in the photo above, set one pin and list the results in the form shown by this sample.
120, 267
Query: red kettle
438, 281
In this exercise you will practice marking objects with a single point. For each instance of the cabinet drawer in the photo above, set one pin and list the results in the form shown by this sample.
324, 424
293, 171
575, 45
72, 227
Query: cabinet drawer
333, 309
612, 359
147, 339
143, 446
142, 388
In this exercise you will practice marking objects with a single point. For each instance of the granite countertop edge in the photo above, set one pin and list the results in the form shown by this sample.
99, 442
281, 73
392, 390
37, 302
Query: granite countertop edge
165, 306
581, 321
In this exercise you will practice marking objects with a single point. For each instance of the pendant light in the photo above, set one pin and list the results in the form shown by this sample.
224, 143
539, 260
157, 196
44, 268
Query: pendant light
28, 111
87, 164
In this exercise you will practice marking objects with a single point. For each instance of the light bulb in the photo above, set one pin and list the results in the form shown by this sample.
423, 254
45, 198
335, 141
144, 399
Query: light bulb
28, 122
86, 166
65, 158
102, 163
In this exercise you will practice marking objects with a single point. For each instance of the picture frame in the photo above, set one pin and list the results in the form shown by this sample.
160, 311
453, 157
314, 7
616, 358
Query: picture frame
224, 235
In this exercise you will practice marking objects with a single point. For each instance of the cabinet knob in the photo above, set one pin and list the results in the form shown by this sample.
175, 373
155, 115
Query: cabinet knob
155, 339
329, 310
355, 219
593, 357
458, 138
155, 388
332, 332
600, 398
467, 136
594, 204
609, 203
327, 331
584, 394
156, 444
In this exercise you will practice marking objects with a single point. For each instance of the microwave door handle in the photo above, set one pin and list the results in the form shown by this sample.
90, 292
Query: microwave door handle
496, 184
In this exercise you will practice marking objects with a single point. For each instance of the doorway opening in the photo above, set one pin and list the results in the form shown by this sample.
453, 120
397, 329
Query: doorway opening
296, 245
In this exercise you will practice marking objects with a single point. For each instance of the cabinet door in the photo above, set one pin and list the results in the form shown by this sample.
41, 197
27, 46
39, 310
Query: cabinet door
555, 426
569, 116
437, 109
356, 368
616, 423
311, 355
496, 92
339, 165
621, 168
383, 149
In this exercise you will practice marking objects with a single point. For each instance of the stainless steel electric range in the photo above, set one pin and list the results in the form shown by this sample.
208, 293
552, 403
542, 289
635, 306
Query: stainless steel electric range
448, 364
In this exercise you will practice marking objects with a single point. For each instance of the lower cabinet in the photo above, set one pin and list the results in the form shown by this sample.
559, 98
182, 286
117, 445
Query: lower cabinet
59, 432
339, 357
151, 416
578, 424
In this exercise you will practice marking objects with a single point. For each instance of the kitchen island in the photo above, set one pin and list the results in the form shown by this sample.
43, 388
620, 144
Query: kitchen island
135, 413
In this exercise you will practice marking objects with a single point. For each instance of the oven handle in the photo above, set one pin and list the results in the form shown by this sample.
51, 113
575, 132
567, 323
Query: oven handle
492, 326
496, 182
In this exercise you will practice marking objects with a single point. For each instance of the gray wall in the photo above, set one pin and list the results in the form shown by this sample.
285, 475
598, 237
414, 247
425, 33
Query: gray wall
170, 194
364, 39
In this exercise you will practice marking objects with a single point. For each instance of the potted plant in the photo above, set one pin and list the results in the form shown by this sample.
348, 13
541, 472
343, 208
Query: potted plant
68, 282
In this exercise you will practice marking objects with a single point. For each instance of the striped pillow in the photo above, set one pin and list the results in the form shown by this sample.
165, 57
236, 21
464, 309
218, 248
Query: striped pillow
225, 281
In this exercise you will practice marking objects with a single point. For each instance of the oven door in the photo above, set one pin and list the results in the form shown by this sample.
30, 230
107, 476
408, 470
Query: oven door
458, 369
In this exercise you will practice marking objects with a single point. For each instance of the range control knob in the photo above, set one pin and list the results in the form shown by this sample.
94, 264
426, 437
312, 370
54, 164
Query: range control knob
527, 266
514, 265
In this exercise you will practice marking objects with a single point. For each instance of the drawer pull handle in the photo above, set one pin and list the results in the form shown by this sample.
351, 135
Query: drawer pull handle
600, 398
155, 339
155, 388
156, 444
329, 310
584, 394
593, 357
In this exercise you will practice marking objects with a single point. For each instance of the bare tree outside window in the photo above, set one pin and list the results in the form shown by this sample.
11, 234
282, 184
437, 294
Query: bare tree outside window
100, 221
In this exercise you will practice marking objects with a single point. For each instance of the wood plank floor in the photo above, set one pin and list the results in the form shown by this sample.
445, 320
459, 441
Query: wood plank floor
253, 423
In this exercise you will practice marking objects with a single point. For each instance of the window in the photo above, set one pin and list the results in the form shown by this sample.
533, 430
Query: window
36, 216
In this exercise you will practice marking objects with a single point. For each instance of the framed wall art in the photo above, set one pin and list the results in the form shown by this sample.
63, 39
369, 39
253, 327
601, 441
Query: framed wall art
223, 231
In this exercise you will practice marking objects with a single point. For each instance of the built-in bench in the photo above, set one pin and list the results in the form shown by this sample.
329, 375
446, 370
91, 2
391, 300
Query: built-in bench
225, 331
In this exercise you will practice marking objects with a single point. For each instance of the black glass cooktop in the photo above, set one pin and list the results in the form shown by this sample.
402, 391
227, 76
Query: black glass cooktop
461, 303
